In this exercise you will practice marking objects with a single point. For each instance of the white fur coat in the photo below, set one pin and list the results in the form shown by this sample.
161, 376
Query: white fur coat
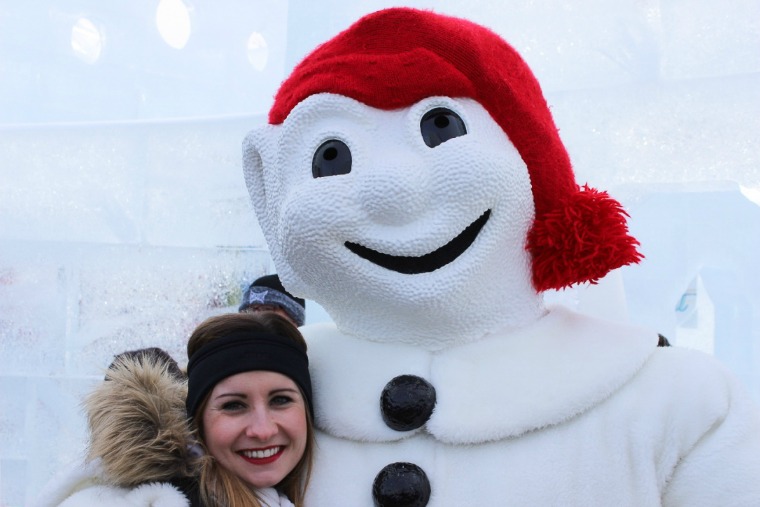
568, 412
82, 485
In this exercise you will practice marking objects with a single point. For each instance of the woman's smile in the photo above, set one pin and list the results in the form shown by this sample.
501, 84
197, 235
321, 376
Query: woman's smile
262, 456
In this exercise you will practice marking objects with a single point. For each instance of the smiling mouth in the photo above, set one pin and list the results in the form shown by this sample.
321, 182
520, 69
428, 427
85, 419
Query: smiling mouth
428, 262
262, 457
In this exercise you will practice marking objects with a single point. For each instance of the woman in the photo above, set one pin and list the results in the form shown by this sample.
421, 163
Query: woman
237, 431
249, 396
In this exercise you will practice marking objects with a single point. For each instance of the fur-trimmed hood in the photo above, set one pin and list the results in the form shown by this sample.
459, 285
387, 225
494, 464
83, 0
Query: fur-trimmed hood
138, 425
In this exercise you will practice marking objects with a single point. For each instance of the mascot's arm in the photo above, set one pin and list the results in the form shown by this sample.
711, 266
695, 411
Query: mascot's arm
723, 466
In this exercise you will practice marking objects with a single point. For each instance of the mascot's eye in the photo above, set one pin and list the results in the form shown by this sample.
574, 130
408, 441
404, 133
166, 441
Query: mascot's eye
439, 125
331, 159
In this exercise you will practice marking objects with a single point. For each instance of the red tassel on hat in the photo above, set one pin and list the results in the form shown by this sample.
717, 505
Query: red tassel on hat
580, 241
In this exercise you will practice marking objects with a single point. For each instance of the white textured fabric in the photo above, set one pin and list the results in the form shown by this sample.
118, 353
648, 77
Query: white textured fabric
500, 387
74, 477
403, 199
80, 485
270, 497
616, 422
535, 407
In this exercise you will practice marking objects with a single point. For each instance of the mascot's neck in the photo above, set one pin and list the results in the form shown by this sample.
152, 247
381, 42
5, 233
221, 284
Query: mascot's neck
435, 328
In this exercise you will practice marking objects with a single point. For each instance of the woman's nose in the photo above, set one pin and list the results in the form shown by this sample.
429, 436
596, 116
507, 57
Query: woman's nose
261, 425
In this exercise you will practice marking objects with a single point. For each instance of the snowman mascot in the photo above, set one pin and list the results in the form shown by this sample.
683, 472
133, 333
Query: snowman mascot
411, 181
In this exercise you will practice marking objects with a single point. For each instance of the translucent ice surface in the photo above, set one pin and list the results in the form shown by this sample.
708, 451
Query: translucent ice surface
124, 218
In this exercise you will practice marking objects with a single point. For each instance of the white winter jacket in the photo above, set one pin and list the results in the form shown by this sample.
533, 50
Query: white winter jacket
82, 485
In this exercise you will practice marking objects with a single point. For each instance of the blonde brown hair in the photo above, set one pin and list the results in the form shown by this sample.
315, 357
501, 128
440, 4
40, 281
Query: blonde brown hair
218, 486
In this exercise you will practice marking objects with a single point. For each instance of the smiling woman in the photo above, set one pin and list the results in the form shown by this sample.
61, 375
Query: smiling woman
236, 430
249, 397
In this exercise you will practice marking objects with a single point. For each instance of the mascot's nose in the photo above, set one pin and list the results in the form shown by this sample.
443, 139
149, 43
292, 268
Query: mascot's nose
395, 195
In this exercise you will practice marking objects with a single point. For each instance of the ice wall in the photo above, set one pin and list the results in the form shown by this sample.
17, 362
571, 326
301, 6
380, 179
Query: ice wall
124, 219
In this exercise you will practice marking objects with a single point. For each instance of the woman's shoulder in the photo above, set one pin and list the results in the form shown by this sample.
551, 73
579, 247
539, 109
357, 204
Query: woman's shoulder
145, 495
75, 477
83, 485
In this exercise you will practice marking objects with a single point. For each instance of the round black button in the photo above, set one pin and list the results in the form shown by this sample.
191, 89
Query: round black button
401, 485
407, 402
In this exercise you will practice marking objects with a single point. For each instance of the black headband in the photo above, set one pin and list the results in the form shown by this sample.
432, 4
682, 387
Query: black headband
240, 352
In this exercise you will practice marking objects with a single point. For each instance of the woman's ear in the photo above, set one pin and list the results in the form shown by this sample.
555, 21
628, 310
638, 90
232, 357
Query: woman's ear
259, 156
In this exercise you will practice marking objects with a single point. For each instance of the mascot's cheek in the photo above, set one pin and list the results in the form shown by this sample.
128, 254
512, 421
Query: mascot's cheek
313, 224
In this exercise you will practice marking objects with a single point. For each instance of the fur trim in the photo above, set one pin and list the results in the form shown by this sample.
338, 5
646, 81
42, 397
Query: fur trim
580, 241
138, 425
157, 494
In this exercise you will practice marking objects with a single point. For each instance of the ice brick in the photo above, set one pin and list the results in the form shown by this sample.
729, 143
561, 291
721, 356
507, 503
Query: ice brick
139, 297
32, 311
13, 482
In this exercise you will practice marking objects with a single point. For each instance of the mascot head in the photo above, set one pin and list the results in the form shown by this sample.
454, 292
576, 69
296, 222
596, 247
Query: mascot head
394, 58
422, 63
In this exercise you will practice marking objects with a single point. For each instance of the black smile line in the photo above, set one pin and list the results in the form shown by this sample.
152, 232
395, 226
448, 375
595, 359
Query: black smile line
428, 262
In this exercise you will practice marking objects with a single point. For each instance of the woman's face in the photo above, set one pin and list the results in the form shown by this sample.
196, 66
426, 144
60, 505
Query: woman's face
255, 426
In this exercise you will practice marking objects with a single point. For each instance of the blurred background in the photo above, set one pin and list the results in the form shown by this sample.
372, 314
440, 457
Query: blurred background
124, 218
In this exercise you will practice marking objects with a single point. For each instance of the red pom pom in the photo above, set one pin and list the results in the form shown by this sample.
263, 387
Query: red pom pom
580, 241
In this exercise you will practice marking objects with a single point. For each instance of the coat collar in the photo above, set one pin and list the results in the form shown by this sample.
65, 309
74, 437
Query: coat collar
509, 383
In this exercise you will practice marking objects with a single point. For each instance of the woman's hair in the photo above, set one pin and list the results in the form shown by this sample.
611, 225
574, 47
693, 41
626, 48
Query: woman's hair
218, 486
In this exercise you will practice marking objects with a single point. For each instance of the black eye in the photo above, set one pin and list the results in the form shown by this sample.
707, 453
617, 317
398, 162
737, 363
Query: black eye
439, 125
331, 159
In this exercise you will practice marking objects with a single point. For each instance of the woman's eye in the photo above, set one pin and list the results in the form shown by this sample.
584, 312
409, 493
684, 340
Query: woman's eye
281, 400
439, 125
332, 158
232, 406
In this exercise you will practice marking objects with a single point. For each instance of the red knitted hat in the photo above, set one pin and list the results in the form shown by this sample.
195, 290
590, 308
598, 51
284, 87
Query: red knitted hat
396, 57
